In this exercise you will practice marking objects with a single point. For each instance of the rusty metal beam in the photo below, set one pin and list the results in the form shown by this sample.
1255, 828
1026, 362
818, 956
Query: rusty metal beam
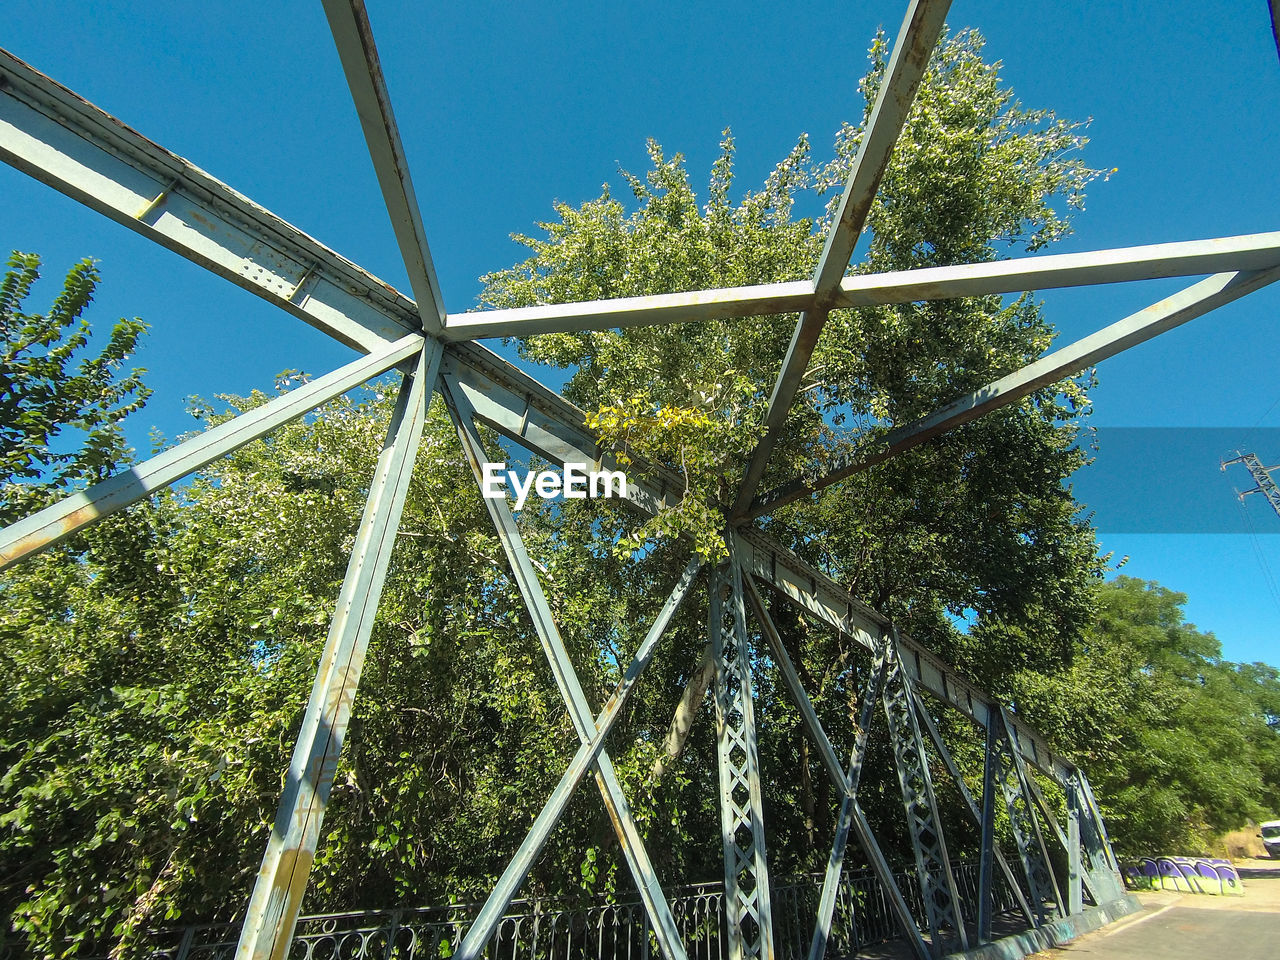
282, 879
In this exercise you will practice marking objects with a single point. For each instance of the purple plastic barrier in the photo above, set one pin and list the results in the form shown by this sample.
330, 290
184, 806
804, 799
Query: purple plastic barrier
1134, 877
1151, 871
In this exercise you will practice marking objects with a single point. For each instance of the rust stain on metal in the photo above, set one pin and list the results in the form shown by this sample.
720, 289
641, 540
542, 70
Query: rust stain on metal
612, 811
51, 533
289, 884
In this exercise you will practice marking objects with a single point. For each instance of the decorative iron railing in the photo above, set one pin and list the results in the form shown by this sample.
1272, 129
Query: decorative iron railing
559, 929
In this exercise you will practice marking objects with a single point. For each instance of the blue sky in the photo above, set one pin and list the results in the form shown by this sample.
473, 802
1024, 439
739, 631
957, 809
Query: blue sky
505, 108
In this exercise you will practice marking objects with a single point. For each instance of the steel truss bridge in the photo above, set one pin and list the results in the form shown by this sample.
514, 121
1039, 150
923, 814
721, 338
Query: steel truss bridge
57, 137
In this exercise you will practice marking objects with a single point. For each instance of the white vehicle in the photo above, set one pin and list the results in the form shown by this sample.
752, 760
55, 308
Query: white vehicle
1270, 834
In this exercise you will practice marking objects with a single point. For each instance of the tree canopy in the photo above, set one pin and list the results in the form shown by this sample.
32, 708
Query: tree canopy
1180, 744
41, 396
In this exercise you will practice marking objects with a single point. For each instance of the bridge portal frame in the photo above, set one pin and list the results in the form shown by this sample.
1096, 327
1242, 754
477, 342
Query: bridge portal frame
57, 137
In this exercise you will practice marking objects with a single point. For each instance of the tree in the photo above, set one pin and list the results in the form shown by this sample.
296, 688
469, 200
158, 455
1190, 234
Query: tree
976, 524
41, 395
1180, 743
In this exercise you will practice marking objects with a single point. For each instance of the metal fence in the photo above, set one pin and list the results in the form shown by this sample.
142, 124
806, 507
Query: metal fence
558, 929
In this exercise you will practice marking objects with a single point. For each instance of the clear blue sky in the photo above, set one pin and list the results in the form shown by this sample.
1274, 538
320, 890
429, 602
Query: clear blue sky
505, 107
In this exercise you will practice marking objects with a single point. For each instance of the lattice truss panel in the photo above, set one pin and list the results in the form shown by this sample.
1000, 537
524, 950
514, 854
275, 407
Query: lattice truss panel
1011, 777
933, 866
746, 872
57, 137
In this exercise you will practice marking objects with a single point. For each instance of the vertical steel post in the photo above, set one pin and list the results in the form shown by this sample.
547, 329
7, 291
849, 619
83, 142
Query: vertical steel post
1041, 885
922, 712
928, 842
988, 841
1095, 816
746, 870
851, 816
1100, 893
580, 714
1026, 787
1097, 862
277, 894
1075, 879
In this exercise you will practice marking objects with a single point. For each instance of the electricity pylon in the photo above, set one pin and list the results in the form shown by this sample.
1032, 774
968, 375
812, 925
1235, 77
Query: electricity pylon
1261, 476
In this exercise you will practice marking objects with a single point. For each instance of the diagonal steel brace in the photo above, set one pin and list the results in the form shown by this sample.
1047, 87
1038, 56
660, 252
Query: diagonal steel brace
852, 816
272, 913
971, 805
518, 867
629, 837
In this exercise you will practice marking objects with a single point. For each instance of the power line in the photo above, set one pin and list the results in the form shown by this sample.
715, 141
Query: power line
1267, 575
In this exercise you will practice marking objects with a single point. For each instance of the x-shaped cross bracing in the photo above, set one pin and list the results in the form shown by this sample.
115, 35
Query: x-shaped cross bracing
57, 137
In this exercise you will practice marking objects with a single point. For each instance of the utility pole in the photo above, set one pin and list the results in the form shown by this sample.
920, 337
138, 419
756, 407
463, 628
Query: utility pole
1261, 476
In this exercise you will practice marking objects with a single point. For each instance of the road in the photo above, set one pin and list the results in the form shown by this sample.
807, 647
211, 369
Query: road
1175, 926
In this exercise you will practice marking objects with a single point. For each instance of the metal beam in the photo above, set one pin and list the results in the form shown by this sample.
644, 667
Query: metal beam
620, 312
281, 882
526, 578
990, 852
924, 820
819, 595
518, 867
1075, 873
520, 408
1153, 261
60, 520
1096, 889
349, 23
1101, 869
907, 62
844, 821
988, 849
917, 38
1161, 317
1188, 258
747, 902
62, 140
846, 782
1020, 804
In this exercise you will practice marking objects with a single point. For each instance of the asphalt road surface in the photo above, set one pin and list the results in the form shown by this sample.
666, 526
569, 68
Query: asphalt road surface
1175, 926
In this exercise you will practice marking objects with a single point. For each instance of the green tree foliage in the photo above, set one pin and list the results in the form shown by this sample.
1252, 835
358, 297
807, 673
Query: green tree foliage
42, 394
157, 678
978, 523
1180, 744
